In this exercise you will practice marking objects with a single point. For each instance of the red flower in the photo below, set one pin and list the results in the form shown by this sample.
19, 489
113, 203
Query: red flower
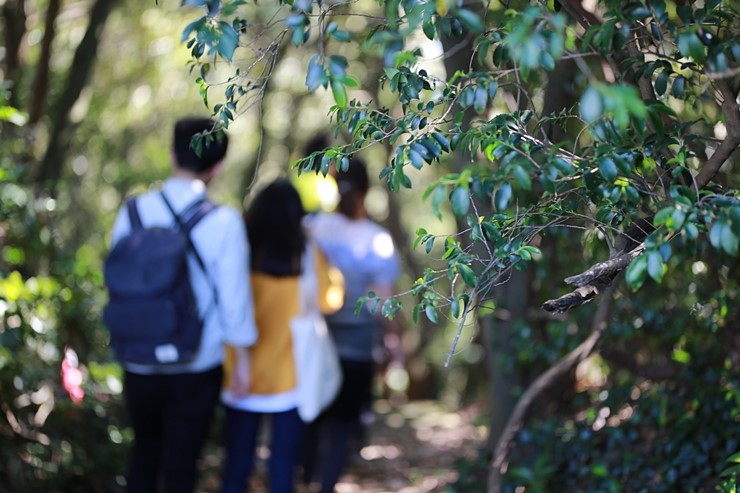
72, 377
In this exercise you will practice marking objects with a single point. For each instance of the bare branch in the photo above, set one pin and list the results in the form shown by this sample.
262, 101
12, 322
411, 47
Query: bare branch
604, 270
731, 114
597, 277
542, 383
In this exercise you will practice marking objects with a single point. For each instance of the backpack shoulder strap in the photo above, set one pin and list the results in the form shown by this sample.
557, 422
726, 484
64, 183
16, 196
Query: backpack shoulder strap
190, 216
195, 213
133, 214
186, 221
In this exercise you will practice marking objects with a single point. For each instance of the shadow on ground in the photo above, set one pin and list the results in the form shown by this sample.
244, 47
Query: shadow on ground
411, 448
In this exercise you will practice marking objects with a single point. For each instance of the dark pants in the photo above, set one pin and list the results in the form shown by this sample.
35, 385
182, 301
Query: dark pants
327, 445
170, 415
242, 428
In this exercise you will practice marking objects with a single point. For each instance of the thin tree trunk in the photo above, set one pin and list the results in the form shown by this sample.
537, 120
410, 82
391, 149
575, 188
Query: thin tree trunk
14, 18
41, 82
82, 66
512, 300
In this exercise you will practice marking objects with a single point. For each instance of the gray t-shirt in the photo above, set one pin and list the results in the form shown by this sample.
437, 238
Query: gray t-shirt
364, 252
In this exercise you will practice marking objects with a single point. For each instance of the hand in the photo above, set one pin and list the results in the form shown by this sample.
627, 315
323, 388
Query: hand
241, 375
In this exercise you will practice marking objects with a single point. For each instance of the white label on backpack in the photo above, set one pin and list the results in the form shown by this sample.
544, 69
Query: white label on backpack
166, 353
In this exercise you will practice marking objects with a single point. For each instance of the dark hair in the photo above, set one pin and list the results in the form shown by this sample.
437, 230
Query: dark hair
274, 226
317, 143
212, 150
352, 185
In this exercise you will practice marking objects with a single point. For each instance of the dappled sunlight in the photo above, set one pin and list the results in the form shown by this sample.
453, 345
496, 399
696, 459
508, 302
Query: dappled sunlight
374, 452
409, 448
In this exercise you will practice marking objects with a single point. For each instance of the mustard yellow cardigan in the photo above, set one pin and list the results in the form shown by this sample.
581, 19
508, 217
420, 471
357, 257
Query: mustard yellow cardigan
276, 302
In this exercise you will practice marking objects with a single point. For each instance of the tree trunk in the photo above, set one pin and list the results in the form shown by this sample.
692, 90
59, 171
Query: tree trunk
14, 18
82, 66
512, 300
41, 82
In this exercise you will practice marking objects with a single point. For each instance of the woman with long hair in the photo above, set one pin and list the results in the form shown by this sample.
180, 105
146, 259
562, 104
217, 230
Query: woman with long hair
279, 250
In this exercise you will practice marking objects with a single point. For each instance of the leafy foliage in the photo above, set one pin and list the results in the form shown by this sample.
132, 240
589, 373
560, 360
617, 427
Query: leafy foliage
632, 159
50, 442
634, 155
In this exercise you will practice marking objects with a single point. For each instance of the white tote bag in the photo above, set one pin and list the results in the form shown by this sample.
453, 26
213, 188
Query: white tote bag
318, 372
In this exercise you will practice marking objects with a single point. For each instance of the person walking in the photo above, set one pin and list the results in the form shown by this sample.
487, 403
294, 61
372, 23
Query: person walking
171, 404
365, 254
281, 253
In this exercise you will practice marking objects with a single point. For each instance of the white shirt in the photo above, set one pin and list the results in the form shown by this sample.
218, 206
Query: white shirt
221, 241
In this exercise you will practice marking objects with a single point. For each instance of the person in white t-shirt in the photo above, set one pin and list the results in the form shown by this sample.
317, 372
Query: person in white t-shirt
171, 406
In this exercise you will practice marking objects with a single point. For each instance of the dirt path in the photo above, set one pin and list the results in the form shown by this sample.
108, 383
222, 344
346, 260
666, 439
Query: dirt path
411, 448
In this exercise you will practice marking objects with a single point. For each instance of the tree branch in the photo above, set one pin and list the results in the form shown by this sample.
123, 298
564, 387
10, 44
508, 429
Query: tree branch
600, 275
542, 383
731, 114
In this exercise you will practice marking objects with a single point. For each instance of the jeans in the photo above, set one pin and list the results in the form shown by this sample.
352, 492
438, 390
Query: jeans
170, 415
242, 428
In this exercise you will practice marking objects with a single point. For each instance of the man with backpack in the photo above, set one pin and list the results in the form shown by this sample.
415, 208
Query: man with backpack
178, 286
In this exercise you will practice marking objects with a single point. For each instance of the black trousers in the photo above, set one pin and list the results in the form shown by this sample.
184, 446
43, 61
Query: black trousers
170, 415
326, 447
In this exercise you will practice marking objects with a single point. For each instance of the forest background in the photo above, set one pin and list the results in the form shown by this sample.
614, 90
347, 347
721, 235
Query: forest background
517, 145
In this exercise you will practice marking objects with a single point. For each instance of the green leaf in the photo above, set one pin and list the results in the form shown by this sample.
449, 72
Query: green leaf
429, 245
455, 308
563, 166
431, 313
592, 106
608, 169
460, 201
522, 177
655, 266
679, 87
502, 196
490, 232
691, 231
723, 238
442, 141
416, 160
470, 20
193, 26
339, 92
547, 61
315, 75
438, 197
675, 222
467, 274
691, 46
480, 100
662, 216
681, 356
228, 40
636, 271
12, 115
524, 254
661, 83
351, 82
